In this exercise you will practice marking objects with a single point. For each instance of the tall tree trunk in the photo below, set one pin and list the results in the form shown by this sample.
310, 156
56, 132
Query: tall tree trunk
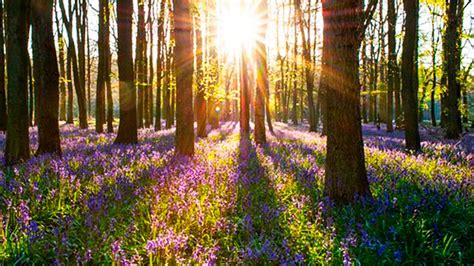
78, 81
46, 74
3, 95
151, 71
453, 53
184, 78
262, 76
294, 74
201, 105
140, 60
244, 99
392, 61
307, 68
70, 94
346, 175
159, 64
127, 132
102, 67
110, 101
409, 70
17, 141
62, 79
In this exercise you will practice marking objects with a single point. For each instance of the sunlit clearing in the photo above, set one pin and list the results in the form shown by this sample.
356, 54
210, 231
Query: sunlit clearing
237, 30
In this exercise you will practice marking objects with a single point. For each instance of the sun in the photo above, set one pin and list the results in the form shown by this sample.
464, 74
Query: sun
237, 29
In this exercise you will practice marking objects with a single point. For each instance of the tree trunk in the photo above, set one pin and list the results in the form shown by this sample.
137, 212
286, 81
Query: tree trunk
201, 105
409, 70
140, 60
46, 75
159, 64
78, 82
3, 95
454, 19
127, 132
62, 79
17, 146
346, 175
102, 66
110, 101
184, 79
262, 76
392, 61
70, 94
307, 68
151, 71
244, 99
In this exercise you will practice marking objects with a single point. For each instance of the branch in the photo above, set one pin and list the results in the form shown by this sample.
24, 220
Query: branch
368, 15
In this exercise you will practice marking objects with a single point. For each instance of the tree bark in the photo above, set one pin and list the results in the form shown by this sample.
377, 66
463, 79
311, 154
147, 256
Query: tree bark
17, 146
46, 75
3, 95
102, 66
184, 78
244, 99
201, 106
78, 82
453, 53
159, 64
346, 175
409, 71
262, 76
127, 132
392, 61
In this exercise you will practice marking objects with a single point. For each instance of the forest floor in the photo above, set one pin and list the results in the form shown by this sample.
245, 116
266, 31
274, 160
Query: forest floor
233, 202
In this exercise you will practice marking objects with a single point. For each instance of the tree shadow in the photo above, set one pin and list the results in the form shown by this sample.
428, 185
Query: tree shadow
257, 212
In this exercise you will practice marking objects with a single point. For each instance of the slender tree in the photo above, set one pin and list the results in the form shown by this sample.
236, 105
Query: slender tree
62, 71
454, 9
140, 61
344, 24
184, 78
78, 80
17, 142
244, 98
127, 132
159, 64
309, 76
262, 75
392, 61
409, 71
102, 67
201, 105
3, 95
46, 75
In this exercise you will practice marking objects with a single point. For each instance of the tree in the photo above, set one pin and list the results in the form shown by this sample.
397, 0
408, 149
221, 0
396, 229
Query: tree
102, 67
244, 98
3, 95
159, 64
262, 75
17, 142
409, 72
392, 61
184, 78
201, 105
344, 24
307, 69
454, 11
127, 132
140, 55
46, 74
78, 81
62, 69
